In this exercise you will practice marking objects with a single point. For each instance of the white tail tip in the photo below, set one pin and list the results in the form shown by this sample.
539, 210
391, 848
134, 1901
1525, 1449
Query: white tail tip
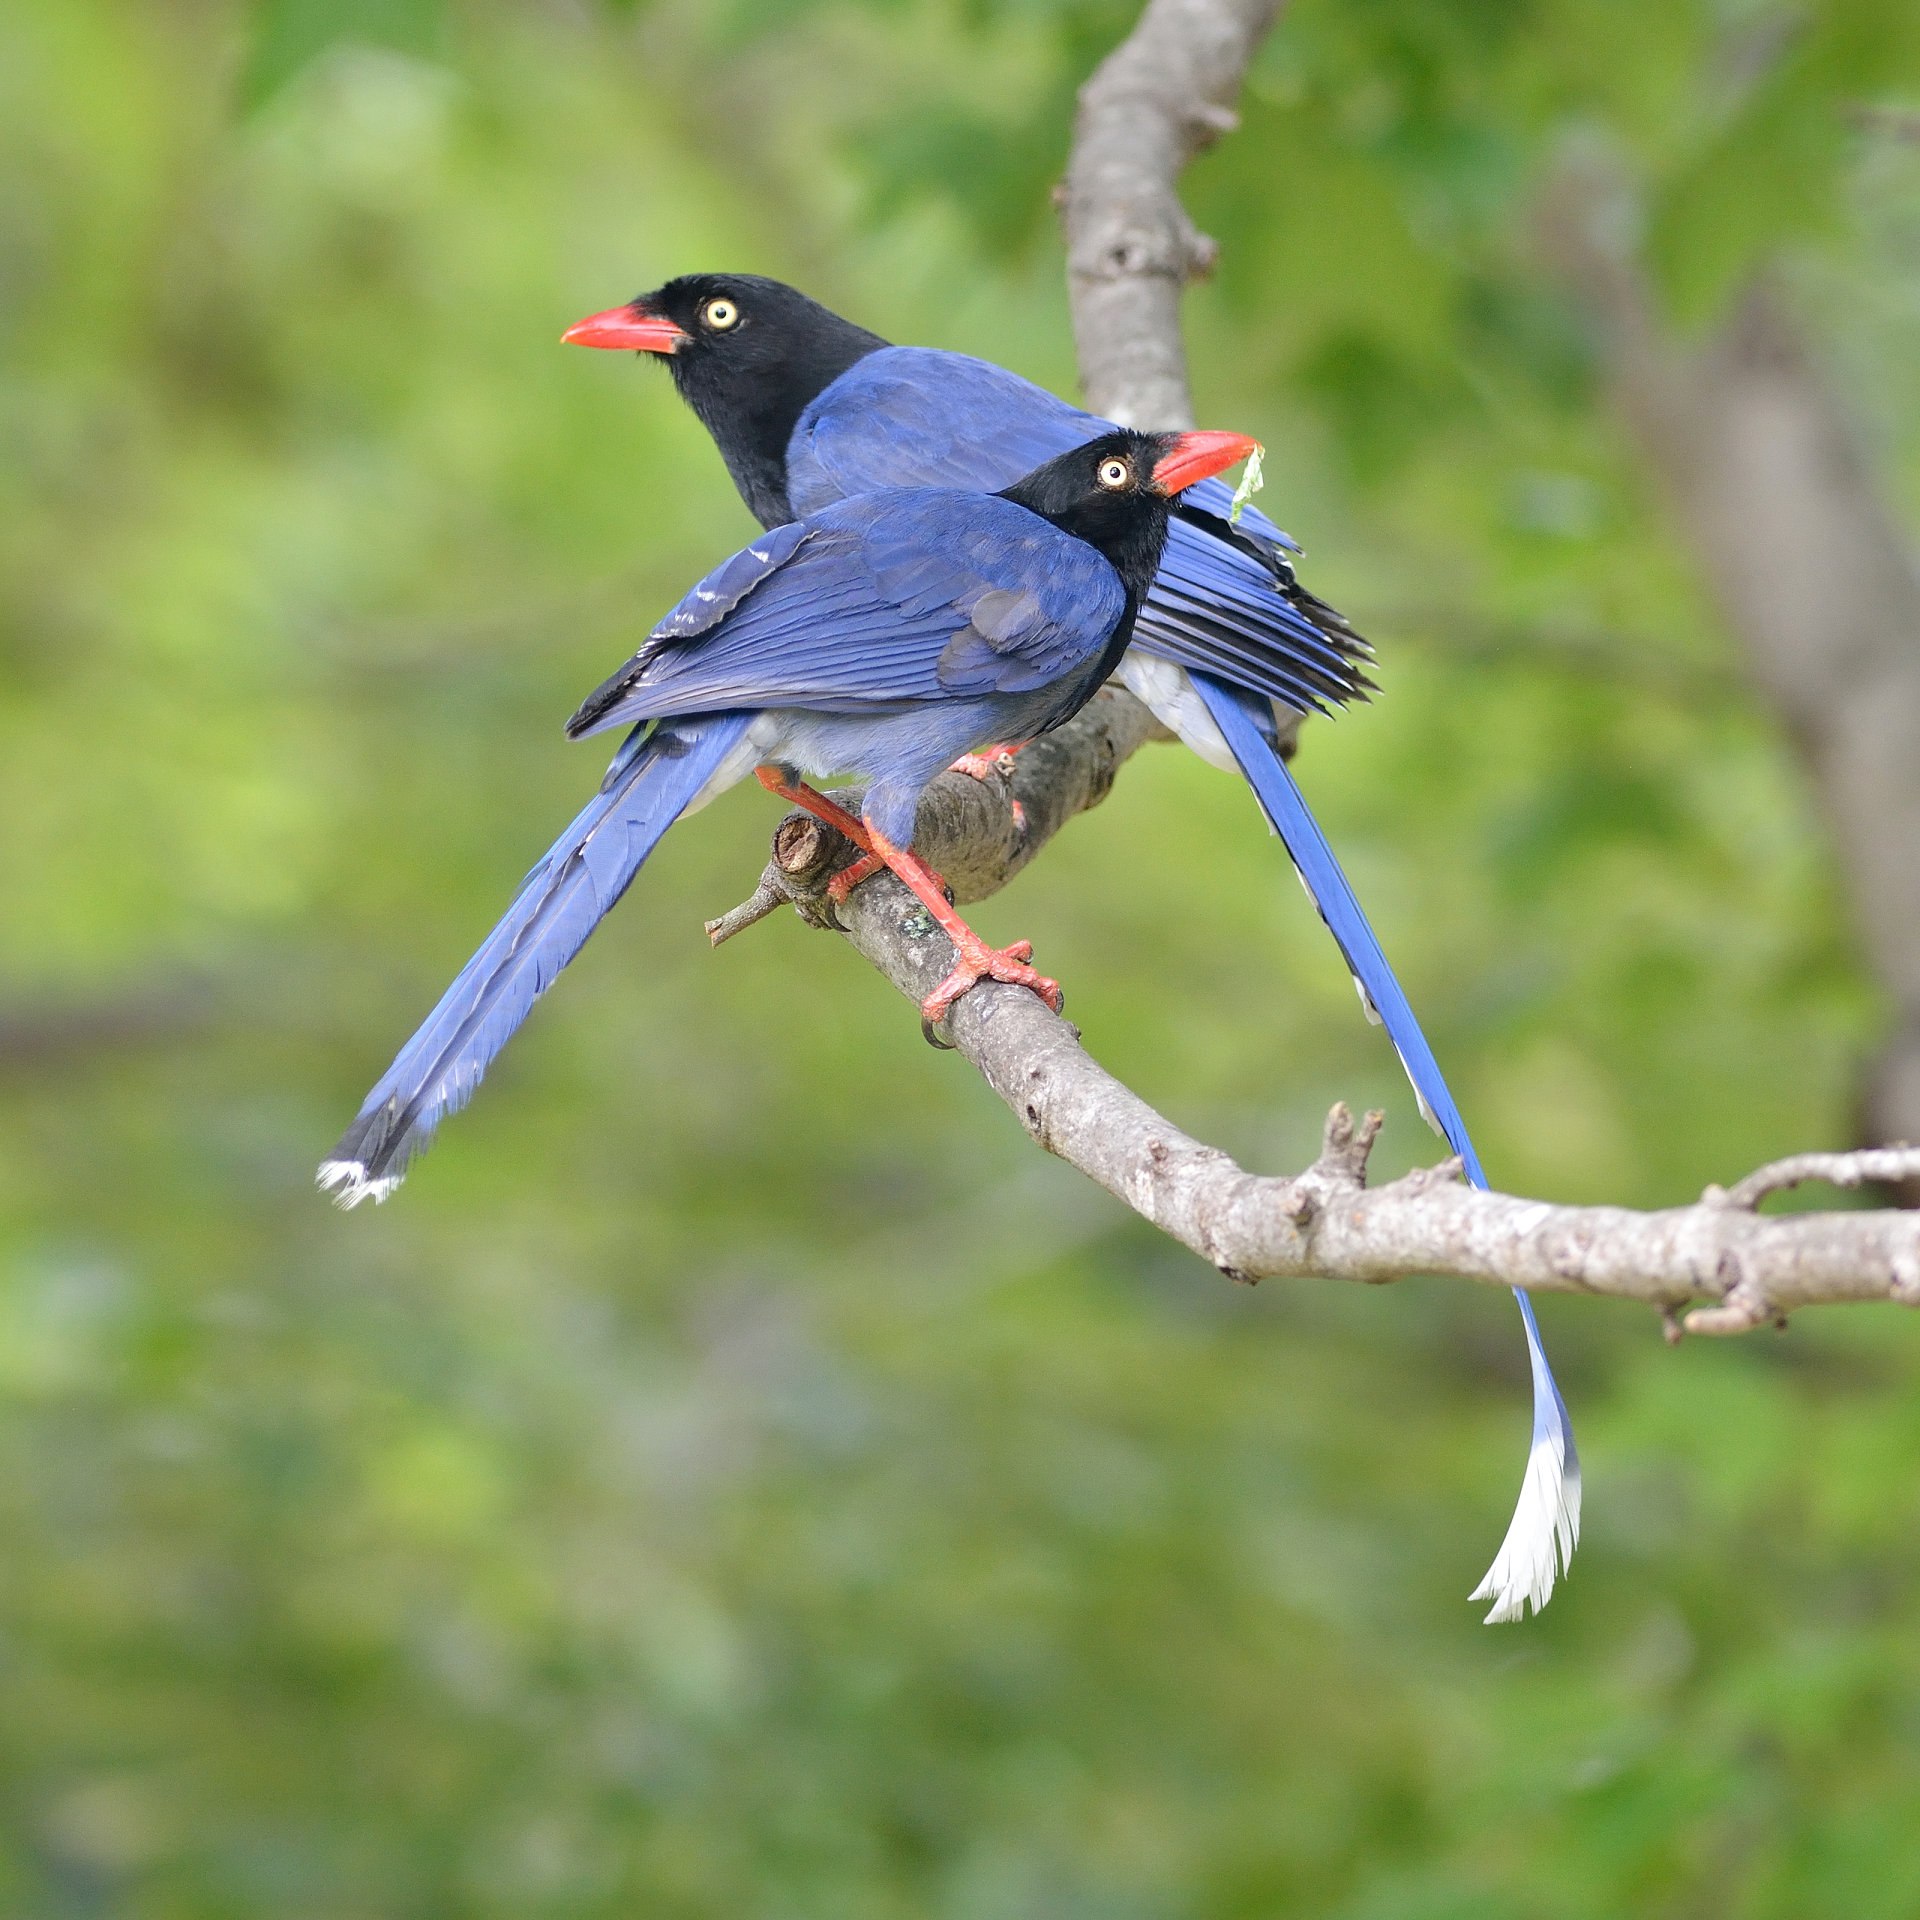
347, 1181
1541, 1537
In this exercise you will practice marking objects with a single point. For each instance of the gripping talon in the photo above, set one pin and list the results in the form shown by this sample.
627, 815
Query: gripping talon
997, 762
976, 961
851, 875
990, 763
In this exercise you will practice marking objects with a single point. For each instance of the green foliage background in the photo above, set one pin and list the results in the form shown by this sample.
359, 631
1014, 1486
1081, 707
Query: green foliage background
737, 1475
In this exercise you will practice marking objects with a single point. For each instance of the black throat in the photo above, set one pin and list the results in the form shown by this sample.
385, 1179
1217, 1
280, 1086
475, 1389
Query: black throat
750, 389
1128, 530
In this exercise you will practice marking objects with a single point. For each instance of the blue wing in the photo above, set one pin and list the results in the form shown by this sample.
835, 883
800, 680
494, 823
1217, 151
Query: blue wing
1225, 601
920, 416
653, 779
908, 594
704, 606
1546, 1524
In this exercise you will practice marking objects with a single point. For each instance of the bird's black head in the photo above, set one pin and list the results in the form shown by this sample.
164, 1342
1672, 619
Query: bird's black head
1115, 492
747, 354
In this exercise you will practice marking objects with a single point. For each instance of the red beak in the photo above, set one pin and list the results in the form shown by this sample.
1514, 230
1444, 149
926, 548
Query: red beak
627, 327
1198, 456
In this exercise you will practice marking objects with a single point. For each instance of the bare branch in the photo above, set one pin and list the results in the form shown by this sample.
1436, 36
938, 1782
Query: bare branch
1325, 1222
1167, 91
59, 1033
1890, 1166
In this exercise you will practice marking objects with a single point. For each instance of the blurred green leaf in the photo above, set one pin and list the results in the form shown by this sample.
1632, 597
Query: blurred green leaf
1776, 172
288, 36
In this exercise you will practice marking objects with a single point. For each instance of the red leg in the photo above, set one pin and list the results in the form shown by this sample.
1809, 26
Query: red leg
974, 960
816, 804
837, 817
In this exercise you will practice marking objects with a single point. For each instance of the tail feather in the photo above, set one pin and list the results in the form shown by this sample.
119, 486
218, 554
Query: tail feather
1546, 1523
1218, 608
653, 779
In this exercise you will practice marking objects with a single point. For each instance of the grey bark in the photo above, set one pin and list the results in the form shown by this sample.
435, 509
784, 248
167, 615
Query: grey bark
1325, 1222
1166, 92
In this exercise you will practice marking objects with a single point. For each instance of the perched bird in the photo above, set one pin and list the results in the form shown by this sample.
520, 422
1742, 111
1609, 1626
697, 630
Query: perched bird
881, 636
806, 408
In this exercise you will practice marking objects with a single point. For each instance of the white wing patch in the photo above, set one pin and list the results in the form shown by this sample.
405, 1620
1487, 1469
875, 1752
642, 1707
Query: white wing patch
1166, 692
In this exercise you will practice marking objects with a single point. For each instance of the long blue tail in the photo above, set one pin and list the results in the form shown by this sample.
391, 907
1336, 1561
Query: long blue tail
1546, 1522
653, 779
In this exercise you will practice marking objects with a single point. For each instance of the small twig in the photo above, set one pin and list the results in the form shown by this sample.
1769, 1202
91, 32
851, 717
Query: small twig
1887, 1165
766, 898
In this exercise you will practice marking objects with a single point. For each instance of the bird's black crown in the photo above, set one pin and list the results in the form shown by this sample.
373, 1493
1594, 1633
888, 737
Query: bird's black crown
1105, 494
756, 353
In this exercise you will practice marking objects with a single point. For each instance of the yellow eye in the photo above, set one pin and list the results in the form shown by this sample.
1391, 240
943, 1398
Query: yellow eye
720, 314
1114, 473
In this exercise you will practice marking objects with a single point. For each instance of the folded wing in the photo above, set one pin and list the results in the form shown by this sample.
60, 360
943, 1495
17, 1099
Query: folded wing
909, 595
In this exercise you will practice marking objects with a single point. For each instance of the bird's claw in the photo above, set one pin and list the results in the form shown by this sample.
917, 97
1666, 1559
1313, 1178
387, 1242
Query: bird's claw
850, 876
978, 961
997, 763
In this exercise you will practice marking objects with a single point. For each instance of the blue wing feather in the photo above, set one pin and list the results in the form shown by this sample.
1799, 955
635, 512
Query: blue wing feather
873, 607
704, 606
651, 782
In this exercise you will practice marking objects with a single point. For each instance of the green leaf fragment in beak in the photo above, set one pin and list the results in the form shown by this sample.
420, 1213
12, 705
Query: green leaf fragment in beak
1251, 481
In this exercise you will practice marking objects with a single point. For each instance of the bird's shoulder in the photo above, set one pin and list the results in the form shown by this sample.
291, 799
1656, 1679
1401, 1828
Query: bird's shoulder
711, 600
924, 415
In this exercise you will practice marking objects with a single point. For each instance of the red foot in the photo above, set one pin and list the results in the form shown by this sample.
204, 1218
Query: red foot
977, 961
850, 876
974, 960
994, 763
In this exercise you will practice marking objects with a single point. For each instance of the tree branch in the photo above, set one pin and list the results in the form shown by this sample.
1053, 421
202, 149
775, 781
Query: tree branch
1143, 115
1324, 1223
1165, 93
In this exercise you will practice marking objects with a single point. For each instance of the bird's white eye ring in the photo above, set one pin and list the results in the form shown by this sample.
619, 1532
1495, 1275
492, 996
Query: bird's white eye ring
720, 314
1114, 473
